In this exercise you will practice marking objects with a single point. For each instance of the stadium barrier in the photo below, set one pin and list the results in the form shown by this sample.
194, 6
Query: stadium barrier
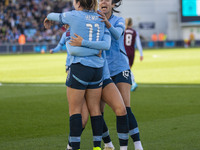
44, 47
27, 48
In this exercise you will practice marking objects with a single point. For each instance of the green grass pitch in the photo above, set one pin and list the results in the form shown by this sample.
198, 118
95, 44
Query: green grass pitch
34, 109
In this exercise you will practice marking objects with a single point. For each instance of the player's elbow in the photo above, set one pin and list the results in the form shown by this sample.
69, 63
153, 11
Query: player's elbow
107, 46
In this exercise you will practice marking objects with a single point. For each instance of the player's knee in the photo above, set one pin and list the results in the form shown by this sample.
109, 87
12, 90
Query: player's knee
120, 111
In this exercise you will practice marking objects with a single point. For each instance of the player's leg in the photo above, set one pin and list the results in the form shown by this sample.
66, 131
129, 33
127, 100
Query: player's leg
77, 81
134, 84
93, 97
84, 114
131, 62
108, 145
75, 100
123, 83
124, 89
113, 98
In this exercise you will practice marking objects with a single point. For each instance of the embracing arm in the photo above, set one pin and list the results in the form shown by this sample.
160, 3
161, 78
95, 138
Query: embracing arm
54, 17
97, 45
100, 45
116, 32
60, 44
63, 18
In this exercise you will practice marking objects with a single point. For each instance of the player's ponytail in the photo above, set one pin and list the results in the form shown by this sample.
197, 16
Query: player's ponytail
128, 22
88, 4
117, 4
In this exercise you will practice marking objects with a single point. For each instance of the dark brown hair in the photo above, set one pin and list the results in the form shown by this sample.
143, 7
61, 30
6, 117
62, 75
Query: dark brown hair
117, 4
88, 4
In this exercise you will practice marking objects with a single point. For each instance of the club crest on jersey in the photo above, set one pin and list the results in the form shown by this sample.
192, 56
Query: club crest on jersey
125, 74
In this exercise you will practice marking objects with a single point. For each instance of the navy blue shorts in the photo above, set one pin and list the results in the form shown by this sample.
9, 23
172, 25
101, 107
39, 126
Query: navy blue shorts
106, 82
84, 77
124, 76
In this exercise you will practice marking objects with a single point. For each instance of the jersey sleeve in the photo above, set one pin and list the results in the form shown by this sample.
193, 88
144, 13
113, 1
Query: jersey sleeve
66, 18
138, 44
63, 18
61, 43
100, 45
83, 51
117, 30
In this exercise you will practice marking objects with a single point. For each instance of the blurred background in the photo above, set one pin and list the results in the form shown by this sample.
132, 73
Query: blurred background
161, 24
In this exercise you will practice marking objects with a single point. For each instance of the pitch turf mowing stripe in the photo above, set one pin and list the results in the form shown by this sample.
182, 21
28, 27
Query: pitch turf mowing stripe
33, 85
140, 85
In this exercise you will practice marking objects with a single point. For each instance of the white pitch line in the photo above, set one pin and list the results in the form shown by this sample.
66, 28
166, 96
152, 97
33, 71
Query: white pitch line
169, 86
63, 85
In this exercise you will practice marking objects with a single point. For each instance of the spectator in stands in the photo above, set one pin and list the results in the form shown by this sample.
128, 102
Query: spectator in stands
26, 16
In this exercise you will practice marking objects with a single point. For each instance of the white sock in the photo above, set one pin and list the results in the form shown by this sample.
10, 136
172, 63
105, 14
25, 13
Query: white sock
132, 78
69, 147
123, 147
138, 145
110, 144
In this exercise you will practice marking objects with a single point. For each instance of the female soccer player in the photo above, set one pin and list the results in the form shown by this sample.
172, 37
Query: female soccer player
112, 97
85, 75
130, 38
118, 61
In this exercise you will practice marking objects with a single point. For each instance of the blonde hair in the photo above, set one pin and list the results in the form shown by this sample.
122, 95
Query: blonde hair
128, 22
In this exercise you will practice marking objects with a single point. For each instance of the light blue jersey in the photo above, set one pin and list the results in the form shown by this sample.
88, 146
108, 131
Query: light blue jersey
65, 37
88, 25
116, 56
106, 72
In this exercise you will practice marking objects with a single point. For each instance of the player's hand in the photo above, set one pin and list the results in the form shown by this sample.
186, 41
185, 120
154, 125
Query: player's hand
141, 58
51, 51
47, 23
104, 19
100, 52
76, 41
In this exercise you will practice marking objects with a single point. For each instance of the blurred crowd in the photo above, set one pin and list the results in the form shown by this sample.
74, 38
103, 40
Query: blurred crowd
26, 17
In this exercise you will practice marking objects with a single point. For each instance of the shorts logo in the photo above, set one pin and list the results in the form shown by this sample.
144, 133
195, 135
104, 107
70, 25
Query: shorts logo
100, 84
125, 74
